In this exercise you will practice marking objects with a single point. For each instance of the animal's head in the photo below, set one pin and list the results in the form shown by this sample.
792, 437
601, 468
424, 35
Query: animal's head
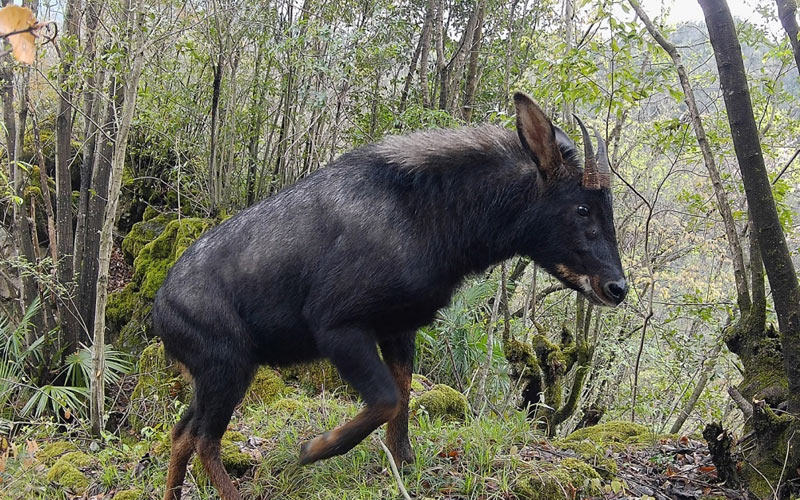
577, 241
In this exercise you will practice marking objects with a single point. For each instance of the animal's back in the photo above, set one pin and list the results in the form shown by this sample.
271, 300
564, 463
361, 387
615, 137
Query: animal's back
243, 288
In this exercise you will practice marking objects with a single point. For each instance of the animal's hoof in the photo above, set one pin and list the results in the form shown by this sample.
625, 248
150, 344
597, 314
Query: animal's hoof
404, 456
309, 451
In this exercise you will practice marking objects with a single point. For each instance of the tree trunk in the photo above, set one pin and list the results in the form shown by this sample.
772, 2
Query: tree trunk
787, 13
69, 318
91, 112
129, 94
471, 84
214, 178
425, 49
771, 430
708, 369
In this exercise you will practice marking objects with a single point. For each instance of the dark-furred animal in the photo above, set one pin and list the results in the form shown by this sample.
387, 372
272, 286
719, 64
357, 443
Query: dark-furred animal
359, 254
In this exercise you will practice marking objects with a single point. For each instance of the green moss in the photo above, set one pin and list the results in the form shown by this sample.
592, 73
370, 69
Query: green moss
420, 383
553, 482
288, 405
121, 307
66, 473
131, 494
267, 385
77, 459
52, 451
314, 377
236, 462
144, 232
615, 434
521, 353
442, 401
159, 384
234, 436
150, 212
592, 454
156, 257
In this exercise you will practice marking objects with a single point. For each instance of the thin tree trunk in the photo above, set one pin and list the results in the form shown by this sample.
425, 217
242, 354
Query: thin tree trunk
425, 49
702, 381
130, 91
471, 84
216, 196
89, 269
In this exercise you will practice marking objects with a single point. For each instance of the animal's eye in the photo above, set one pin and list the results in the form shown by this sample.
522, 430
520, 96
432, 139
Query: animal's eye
583, 210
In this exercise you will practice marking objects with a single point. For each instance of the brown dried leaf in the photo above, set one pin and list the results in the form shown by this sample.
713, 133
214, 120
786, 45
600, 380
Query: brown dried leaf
15, 18
31, 447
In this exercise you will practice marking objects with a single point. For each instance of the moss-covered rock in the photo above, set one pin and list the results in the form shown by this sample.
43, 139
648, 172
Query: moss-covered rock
420, 383
66, 471
553, 482
144, 232
160, 383
442, 401
616, 435
121, 307
155, 258
593, 454
153, 246
131, 494
267, 386
51, 452
315, 377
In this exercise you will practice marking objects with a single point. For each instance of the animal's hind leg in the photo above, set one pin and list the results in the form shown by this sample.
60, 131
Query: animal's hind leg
355, 355
217, 392
398, 353
180, 453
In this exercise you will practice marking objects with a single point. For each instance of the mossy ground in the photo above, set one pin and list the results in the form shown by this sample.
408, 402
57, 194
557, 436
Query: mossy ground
476, 458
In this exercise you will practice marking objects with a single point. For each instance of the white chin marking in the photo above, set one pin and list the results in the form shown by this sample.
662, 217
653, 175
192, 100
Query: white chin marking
585, 284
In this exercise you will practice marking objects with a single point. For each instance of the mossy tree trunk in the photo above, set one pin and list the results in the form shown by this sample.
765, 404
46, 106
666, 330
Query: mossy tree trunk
543, 367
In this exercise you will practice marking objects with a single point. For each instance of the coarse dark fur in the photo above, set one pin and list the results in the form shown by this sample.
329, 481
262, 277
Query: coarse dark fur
362, 253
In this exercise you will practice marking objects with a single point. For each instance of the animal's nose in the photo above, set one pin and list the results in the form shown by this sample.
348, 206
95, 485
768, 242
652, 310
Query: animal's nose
616, 290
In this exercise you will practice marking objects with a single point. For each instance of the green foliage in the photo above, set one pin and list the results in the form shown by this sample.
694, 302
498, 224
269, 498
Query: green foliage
20, 396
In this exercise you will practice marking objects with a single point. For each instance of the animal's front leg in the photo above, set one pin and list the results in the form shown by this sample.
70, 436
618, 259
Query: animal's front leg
355, 355
398, 353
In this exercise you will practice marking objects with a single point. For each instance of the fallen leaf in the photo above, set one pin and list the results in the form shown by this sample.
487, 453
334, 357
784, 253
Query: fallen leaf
31, 447
15, 18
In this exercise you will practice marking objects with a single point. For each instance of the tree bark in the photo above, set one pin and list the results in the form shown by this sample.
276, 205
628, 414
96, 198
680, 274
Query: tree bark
64, 239
787, 13
425, 49
471, 84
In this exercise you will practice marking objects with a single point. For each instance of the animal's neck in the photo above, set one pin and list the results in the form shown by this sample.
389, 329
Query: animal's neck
482, 217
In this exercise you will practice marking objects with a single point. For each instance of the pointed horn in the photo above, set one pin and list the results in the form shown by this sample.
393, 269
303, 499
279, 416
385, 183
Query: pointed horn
590, 173
603, 165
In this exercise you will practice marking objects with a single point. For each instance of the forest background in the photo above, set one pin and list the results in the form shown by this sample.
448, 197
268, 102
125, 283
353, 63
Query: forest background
145, 123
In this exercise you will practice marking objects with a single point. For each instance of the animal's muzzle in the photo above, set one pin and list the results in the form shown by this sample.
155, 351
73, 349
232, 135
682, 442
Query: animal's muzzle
616, 290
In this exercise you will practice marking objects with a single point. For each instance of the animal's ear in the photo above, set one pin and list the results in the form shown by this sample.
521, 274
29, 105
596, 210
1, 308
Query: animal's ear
538, 135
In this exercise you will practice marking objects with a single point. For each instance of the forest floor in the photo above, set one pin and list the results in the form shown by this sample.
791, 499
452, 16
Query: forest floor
470, 457
483, 457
